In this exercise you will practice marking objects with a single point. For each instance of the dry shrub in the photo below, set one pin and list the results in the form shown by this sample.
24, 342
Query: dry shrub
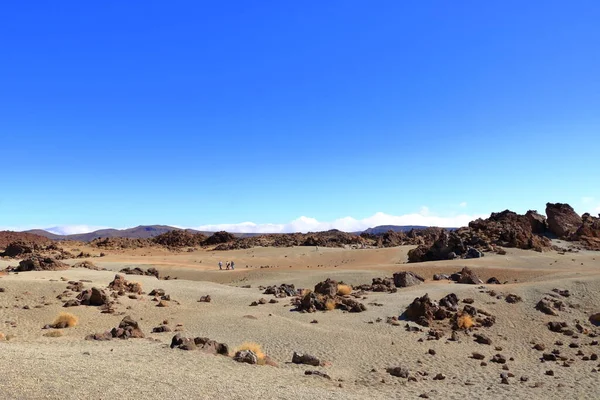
54, 334
67, 320
464, 322
2, 337
343, 290
255, 348
330, 304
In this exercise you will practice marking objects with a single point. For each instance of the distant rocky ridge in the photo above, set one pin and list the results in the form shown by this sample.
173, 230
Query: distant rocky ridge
150, 231
505, 229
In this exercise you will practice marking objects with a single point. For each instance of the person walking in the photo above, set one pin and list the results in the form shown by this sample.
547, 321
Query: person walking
227, 265
220, 265
232, 265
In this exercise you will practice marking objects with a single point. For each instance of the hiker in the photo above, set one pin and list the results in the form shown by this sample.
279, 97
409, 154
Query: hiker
220, 265
232, 265
227, 266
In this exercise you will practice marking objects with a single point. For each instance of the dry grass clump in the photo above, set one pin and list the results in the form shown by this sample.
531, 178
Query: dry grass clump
465, 322
330, 304
343, 290
54, 334
65, 320
255, 348
2, 337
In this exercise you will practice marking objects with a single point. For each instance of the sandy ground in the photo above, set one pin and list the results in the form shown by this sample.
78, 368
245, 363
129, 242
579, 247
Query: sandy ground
357, 348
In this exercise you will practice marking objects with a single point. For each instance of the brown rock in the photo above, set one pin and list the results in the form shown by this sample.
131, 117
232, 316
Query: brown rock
563, 221
407, 278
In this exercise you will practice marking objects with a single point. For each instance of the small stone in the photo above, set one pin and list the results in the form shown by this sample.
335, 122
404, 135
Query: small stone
550, 372
439, 377
432, 352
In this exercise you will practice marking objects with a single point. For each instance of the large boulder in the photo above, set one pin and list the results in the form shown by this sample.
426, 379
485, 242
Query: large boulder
246, 356
469, 277
328, 287
93, 297
407, 278
121, 285
589, 232
128, 328
307, 359
421, 310
563, 221
537, 221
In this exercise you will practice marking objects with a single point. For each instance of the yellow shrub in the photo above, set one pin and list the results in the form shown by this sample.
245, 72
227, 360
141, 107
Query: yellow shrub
66, 320
330, 304
255, 348
344, 290
464, 322
2, 337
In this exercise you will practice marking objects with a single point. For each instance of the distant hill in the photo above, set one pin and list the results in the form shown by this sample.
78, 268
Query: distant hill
396, 228
139, 232
150, 231
7, 237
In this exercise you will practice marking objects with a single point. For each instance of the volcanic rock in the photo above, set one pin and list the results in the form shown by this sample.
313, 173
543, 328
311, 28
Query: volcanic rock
407, 278
563, 221
39, 263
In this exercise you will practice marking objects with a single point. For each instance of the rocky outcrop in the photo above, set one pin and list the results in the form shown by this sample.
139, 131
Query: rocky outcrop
378, 285
283, 290
589, 232
325, 298
138, 271
218, 238
504, 229
199, 343
127, 329
563, 221
20, 248
179, 238
426, 312
39, 263
122, 286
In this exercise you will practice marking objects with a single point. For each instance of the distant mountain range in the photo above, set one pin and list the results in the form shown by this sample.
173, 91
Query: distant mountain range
396, 228
149, 231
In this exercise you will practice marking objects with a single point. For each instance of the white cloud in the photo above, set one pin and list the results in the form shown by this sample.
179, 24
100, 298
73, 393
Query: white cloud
304, 224
73, 229
463, 204
347, 224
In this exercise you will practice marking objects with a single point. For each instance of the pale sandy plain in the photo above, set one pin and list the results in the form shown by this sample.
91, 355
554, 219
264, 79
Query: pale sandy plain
358, 352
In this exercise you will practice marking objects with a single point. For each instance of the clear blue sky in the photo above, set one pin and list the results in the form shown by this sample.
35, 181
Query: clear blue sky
120, 113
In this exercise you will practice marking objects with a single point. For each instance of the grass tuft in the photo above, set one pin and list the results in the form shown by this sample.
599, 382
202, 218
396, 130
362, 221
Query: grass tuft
465, 322
330, 304
344, 290
65, 320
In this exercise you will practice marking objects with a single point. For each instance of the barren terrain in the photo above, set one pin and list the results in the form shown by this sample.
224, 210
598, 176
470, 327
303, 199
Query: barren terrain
355, 349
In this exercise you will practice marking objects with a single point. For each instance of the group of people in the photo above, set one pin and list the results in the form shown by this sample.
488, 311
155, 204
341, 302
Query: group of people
228, 265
